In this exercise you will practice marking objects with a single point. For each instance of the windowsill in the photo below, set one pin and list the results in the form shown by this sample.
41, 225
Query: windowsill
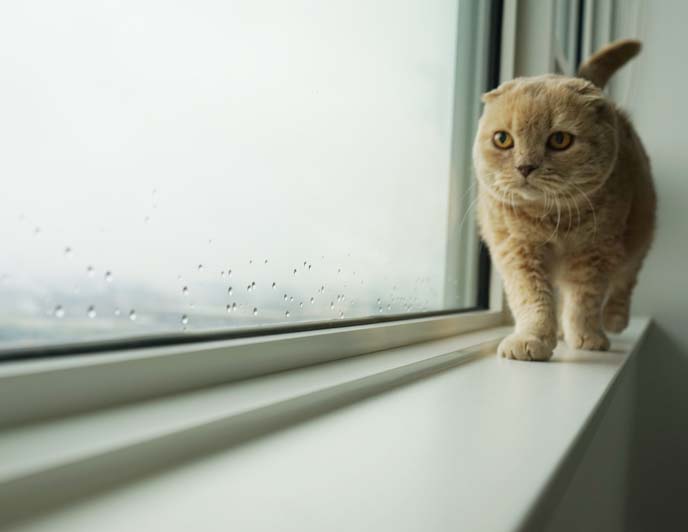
456, 432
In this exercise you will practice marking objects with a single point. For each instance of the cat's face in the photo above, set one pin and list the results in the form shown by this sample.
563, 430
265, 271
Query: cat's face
543, 138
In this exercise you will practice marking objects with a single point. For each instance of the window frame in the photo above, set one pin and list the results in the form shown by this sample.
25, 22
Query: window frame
83, 377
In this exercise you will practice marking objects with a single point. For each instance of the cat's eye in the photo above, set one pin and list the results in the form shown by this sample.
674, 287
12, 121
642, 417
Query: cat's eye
560, 140
503, 140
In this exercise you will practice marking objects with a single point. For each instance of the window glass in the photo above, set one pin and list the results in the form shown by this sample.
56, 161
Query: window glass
203, 165
562, 26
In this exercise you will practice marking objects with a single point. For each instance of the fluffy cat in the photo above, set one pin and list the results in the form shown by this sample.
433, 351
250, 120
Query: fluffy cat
565, 203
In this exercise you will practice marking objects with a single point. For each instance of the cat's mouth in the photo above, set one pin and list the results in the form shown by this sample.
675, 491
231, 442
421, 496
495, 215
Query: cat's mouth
528, 192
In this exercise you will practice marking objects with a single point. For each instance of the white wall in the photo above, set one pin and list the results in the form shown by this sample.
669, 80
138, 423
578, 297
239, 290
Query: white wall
654, 88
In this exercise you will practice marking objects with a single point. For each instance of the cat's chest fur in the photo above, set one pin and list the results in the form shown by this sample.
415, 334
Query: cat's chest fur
563, 228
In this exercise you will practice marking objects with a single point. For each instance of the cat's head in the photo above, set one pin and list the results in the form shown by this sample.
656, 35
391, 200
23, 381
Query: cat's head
545, 137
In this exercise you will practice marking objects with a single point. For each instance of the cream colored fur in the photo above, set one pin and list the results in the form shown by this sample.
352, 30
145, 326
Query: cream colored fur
580, 223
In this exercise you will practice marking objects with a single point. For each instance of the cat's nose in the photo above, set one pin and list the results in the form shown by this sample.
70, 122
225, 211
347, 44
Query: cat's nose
526, 169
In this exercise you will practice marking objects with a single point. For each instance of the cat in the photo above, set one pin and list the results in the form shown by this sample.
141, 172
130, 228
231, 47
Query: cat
566, 205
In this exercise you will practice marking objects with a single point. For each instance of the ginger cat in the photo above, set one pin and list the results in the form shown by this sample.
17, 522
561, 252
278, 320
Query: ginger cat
566, 202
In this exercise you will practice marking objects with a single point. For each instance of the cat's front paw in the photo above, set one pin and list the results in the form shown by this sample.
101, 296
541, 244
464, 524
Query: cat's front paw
522, 346
590, 340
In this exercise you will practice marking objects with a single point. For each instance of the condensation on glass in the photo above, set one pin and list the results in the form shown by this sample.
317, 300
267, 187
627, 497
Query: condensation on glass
198, 165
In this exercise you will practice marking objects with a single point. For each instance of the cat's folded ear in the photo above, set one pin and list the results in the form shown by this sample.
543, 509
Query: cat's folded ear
589, 93
507, 86
592, 97
491, 95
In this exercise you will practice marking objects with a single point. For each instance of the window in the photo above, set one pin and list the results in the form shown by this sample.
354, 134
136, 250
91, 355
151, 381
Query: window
180, 168
567, 34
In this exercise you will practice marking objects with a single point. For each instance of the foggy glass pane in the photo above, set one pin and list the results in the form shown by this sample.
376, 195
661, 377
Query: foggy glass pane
203, 165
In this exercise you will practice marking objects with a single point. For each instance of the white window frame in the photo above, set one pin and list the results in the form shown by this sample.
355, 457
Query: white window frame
44, 388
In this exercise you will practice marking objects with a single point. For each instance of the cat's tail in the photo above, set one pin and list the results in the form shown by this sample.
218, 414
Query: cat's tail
601, 65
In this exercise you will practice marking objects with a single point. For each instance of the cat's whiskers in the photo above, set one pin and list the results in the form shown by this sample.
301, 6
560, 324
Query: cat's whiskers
468, 191
556, 229
592, 209
549, 204
512, 195
568, 207
575, 204
468, 210
544, 214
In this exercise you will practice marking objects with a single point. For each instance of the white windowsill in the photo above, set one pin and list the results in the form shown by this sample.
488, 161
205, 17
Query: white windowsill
435, 436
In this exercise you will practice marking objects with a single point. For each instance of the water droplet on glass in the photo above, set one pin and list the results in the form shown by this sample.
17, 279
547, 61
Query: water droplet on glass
108, 276
294, 272
185, 290
312, 300
229, 291
286, 297
266, 261
291, 299
332, 304
341, 315
286, 313
339, 270
90, 271
200, 267
117, 312
305, 262
274, 285
59, 311
229, 273
222, 273
253, 284
91, 312
185, 319
68, 251
234, 306
301, 304
310, 266
229, 308
379, 309
132, 315
250, 261
379, 301
255, 311
389, 307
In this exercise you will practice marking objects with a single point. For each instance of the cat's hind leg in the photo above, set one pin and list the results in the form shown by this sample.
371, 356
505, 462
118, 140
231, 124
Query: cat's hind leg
618, 305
